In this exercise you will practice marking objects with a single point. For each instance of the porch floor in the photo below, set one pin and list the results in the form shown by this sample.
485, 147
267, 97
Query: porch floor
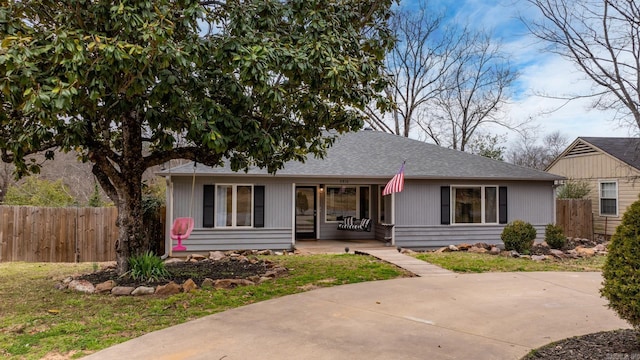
338, 246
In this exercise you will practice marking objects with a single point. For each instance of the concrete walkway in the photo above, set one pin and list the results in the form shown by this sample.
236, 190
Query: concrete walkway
409, 263
471, 316
375, 249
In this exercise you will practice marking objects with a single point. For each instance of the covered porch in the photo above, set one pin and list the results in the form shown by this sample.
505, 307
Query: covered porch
322, 208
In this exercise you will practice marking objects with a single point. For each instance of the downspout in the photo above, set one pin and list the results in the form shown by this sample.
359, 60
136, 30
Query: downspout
168, 216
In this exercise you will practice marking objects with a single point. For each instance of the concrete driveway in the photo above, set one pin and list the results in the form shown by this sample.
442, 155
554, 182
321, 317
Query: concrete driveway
475, 316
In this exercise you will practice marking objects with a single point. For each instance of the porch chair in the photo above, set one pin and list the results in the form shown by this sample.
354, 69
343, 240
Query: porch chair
181, 230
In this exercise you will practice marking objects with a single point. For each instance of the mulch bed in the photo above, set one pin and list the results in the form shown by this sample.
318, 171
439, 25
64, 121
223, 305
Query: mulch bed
184, 270
606, 345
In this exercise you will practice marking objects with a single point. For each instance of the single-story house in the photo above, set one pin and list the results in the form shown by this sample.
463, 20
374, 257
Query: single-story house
611, 166
449, 197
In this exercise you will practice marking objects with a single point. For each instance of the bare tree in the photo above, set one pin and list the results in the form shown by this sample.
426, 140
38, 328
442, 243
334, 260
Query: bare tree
422, 57
602, 38
529, 153
448, 81
473, 95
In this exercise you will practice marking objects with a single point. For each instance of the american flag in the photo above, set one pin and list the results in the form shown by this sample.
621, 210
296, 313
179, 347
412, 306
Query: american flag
396, 184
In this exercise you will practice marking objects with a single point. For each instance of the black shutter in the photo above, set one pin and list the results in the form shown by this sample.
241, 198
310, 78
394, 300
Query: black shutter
445, 205
502, 205
207, 211
258, 206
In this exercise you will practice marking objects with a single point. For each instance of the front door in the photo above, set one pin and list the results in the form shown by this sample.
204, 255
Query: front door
305, 212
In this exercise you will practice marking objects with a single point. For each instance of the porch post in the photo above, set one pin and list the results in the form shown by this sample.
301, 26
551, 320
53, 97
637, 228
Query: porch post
293, 214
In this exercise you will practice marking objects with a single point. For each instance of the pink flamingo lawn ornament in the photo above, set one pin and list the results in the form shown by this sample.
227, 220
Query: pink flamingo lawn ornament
181, 230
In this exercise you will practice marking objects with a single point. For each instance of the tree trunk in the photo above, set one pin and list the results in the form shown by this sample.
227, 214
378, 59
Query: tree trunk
131, 240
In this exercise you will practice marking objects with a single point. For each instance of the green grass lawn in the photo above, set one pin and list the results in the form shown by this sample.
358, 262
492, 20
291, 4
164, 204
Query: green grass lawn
464, 262
38, 320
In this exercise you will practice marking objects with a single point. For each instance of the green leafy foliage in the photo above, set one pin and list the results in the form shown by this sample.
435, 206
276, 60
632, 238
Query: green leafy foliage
254, 83
554, 236
518, 235
95, 200
574, 189
620, 272
147, 267
38, 192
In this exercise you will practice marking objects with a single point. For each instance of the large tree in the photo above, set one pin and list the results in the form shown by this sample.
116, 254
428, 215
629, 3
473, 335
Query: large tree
448, 81
424, 52
602, 38
529, 152
257, 82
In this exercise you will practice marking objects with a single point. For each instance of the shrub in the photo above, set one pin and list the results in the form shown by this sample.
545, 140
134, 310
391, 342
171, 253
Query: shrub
554, 236
518, 235
574, 190
38, 192
147, 267
620, 271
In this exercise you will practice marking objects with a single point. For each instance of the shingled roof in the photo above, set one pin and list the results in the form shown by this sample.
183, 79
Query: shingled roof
378, 155
626, 150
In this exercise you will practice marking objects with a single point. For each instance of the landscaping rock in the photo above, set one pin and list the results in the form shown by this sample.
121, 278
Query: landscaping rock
231, 283
169, 289
558, 253
208, 283
477, 250
572, 253
444, 249
600, 248
122, 290
81, 286
585, 252
143, 290
216, 255
196, 257
453, 248
264, 252
105, 287
482, 246
189, 286
495, 250
60, 286
172, 260
464, 247
538, 257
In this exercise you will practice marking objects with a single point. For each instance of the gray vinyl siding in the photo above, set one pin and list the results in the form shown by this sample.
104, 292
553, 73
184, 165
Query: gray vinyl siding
418, 204
533, 203
428, 237
418, 214
202, 240
278, 202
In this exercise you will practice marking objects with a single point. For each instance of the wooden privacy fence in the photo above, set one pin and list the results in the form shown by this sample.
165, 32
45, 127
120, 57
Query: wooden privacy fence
574, 216
40, 234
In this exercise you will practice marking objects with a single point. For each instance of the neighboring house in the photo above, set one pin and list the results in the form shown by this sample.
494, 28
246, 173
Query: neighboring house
611, 166
449, 197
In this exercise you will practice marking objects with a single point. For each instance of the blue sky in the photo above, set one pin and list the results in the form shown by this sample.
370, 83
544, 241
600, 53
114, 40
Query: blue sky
541, 72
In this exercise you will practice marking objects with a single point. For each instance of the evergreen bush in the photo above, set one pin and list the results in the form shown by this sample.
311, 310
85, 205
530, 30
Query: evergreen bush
620, 271
518, 235
554, 236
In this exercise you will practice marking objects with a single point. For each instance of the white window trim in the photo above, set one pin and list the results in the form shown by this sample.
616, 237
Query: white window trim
326, 203
452, 201
600, 182
234, 207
